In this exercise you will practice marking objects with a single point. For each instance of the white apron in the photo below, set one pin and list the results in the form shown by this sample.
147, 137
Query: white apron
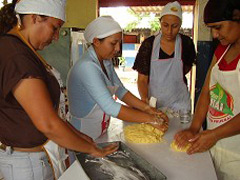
166, 81
96, 122
224, 105
56, 153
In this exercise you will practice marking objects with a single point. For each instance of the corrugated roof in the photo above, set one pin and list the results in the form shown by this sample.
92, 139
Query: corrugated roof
156, 9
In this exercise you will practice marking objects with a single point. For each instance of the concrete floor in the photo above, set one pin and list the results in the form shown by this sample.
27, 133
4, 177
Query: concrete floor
129, 80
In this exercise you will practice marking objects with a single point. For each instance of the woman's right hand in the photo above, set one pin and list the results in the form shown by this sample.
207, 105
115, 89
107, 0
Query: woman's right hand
162, 127
182, 137
159, 122
101, 152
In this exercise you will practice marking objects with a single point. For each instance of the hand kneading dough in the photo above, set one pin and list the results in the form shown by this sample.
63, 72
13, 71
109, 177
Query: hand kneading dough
176, 148
142, 133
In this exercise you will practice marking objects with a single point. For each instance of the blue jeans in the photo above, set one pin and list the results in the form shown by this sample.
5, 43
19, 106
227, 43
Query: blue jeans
25, 165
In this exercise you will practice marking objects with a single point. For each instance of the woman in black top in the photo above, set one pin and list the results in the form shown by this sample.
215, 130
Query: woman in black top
169, 60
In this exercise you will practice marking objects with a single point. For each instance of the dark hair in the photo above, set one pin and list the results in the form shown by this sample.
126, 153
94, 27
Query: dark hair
8, 17
222, 10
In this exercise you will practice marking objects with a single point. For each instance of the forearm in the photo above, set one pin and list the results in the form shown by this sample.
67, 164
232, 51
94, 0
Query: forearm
61, 133
203, 103
133, 101
134, 115
79, 133
201, 111
143, 87
228, 129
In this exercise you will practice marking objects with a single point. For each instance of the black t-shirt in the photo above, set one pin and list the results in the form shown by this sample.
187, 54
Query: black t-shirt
143, 58
17, 62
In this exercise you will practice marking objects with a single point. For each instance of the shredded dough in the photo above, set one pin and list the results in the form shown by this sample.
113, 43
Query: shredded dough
142, 133
177, 149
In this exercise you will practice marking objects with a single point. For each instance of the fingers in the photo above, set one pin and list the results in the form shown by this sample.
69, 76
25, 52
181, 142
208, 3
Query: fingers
110, 149
162, 126
182, 138
101, 152
197, 148
194, 138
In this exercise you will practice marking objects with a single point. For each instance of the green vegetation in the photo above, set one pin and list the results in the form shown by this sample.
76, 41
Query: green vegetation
153, 22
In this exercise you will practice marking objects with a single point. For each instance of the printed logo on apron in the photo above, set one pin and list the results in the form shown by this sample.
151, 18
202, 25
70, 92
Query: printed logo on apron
224, 105
221, 104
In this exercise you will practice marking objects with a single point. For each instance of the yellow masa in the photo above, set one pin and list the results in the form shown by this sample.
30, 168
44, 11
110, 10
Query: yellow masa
142, 133
177, 149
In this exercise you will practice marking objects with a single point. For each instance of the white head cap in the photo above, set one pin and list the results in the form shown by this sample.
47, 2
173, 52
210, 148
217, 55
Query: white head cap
101, 27
172, 8
51, 8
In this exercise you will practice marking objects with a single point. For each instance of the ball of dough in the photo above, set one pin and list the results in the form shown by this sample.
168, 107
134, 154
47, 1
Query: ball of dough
177, 149
142, 133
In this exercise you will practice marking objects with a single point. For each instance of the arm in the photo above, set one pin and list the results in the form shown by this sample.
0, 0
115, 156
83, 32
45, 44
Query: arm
183, 137
142, 83
33, 96
143, 112
142, 65
203, 102
228, 129
93, 81
134, 115
189, 53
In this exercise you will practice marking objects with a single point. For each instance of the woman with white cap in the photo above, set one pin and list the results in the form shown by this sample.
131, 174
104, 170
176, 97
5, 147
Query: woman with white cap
30, 94
219, 99
163, 60
92, 82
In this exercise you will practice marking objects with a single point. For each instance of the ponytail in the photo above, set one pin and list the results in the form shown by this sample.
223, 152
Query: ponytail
8, 17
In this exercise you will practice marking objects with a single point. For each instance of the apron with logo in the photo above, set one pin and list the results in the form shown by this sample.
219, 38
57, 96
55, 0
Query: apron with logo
96, 122
224, 105
166, 81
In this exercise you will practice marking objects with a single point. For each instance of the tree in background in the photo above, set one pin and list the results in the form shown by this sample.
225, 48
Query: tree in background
153, 22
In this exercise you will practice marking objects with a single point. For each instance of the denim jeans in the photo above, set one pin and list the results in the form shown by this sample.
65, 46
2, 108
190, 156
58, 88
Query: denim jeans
25, 165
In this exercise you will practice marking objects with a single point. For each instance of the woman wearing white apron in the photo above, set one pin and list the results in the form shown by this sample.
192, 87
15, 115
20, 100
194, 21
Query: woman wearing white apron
219, 99
92, 82
30, 95
166, 81
163, 61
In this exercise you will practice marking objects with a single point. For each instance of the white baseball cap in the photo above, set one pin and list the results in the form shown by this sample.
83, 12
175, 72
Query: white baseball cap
51, 8
172, 8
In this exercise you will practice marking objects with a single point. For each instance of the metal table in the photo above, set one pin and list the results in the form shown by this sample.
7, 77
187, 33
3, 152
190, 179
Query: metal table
174, 165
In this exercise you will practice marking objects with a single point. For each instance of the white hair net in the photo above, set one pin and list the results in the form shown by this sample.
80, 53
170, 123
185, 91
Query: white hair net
101, 27
51, 8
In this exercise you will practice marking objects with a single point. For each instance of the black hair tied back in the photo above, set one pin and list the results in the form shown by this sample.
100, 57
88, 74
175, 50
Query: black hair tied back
8, 17
222, 10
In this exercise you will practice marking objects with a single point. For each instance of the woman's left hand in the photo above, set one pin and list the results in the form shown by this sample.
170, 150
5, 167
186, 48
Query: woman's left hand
202, 142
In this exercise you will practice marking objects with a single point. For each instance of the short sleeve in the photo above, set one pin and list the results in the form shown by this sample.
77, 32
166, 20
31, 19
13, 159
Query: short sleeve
143, 58
17, 67
189, 52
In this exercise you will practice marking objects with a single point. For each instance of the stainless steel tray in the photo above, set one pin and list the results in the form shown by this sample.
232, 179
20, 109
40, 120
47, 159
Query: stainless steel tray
124, 164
